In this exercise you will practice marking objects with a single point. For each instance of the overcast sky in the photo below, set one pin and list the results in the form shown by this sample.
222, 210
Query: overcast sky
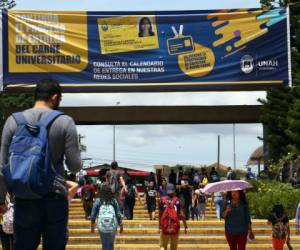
145, 145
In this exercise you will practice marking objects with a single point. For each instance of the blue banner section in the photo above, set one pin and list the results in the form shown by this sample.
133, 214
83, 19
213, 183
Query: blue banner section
146, 51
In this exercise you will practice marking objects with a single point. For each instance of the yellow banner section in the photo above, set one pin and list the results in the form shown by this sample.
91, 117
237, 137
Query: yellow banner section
127, 33
47, 41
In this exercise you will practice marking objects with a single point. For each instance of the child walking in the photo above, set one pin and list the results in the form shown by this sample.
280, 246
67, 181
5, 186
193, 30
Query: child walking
280, 227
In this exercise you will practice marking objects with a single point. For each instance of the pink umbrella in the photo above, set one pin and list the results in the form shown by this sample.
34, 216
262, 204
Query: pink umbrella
225, 186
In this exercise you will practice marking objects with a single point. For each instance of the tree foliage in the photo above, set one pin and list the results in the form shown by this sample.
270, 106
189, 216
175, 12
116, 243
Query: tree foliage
266, 194
281, 108
9, 102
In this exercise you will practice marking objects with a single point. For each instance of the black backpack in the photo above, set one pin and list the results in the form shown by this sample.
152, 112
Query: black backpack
130, 196
202, 198
232, 176
114, 182
214, 177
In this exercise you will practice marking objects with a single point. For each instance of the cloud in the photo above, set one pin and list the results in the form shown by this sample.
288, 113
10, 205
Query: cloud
187, 98
170, 144
138, 135
136, 141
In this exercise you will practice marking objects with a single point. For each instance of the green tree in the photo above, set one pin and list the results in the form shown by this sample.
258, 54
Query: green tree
281, 108
12, 102
275, 109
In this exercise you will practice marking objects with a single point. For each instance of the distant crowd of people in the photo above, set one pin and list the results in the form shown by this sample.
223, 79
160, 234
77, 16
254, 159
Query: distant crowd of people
178, 198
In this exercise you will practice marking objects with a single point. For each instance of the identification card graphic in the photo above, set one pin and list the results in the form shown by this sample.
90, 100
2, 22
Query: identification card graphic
180, 45
127, 33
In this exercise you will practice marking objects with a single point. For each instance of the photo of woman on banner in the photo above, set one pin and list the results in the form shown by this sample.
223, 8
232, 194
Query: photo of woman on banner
145, 27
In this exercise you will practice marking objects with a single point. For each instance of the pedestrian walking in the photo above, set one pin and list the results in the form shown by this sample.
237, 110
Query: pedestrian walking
237, 220
106, 210
130, 199
194, 209
6, 226
201, 203
44, 134
115, 179
214, 175
250, 175
196, 179
231, 175
121, 199
185, 187
297, 220
280, 227
163, 188
151, 195
87, 197
170, 210
204, 178
218, 199
172, 177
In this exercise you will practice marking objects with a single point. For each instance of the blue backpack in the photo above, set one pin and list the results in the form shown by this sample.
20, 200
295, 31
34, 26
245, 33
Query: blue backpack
29, 173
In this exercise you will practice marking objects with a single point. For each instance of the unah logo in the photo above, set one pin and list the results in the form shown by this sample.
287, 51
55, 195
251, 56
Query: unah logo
247, 64
267, 65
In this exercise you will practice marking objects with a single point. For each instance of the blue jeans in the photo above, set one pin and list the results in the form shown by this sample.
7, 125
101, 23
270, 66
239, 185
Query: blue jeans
218, 203
46, 217
194, 213
108, 240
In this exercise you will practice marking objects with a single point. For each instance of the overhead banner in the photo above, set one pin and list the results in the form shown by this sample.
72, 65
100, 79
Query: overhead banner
244, 49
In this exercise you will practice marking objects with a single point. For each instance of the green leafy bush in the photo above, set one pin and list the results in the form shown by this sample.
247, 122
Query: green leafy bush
268, 193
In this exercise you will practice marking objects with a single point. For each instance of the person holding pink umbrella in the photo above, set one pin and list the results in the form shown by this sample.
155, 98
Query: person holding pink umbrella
237, 220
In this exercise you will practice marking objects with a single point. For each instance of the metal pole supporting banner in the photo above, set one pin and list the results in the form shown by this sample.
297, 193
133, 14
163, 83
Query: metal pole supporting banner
114, 142
289, 46
218, 152
234, 154
1, 54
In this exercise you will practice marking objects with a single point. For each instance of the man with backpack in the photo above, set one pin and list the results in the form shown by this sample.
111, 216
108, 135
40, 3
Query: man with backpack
130, 197
231, 175
170, 210
33, 147
214, 175
115, 179
249, 175
87, 196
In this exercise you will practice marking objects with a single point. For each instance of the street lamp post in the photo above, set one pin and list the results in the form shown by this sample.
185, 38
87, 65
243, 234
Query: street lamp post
234, 151
114, 138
